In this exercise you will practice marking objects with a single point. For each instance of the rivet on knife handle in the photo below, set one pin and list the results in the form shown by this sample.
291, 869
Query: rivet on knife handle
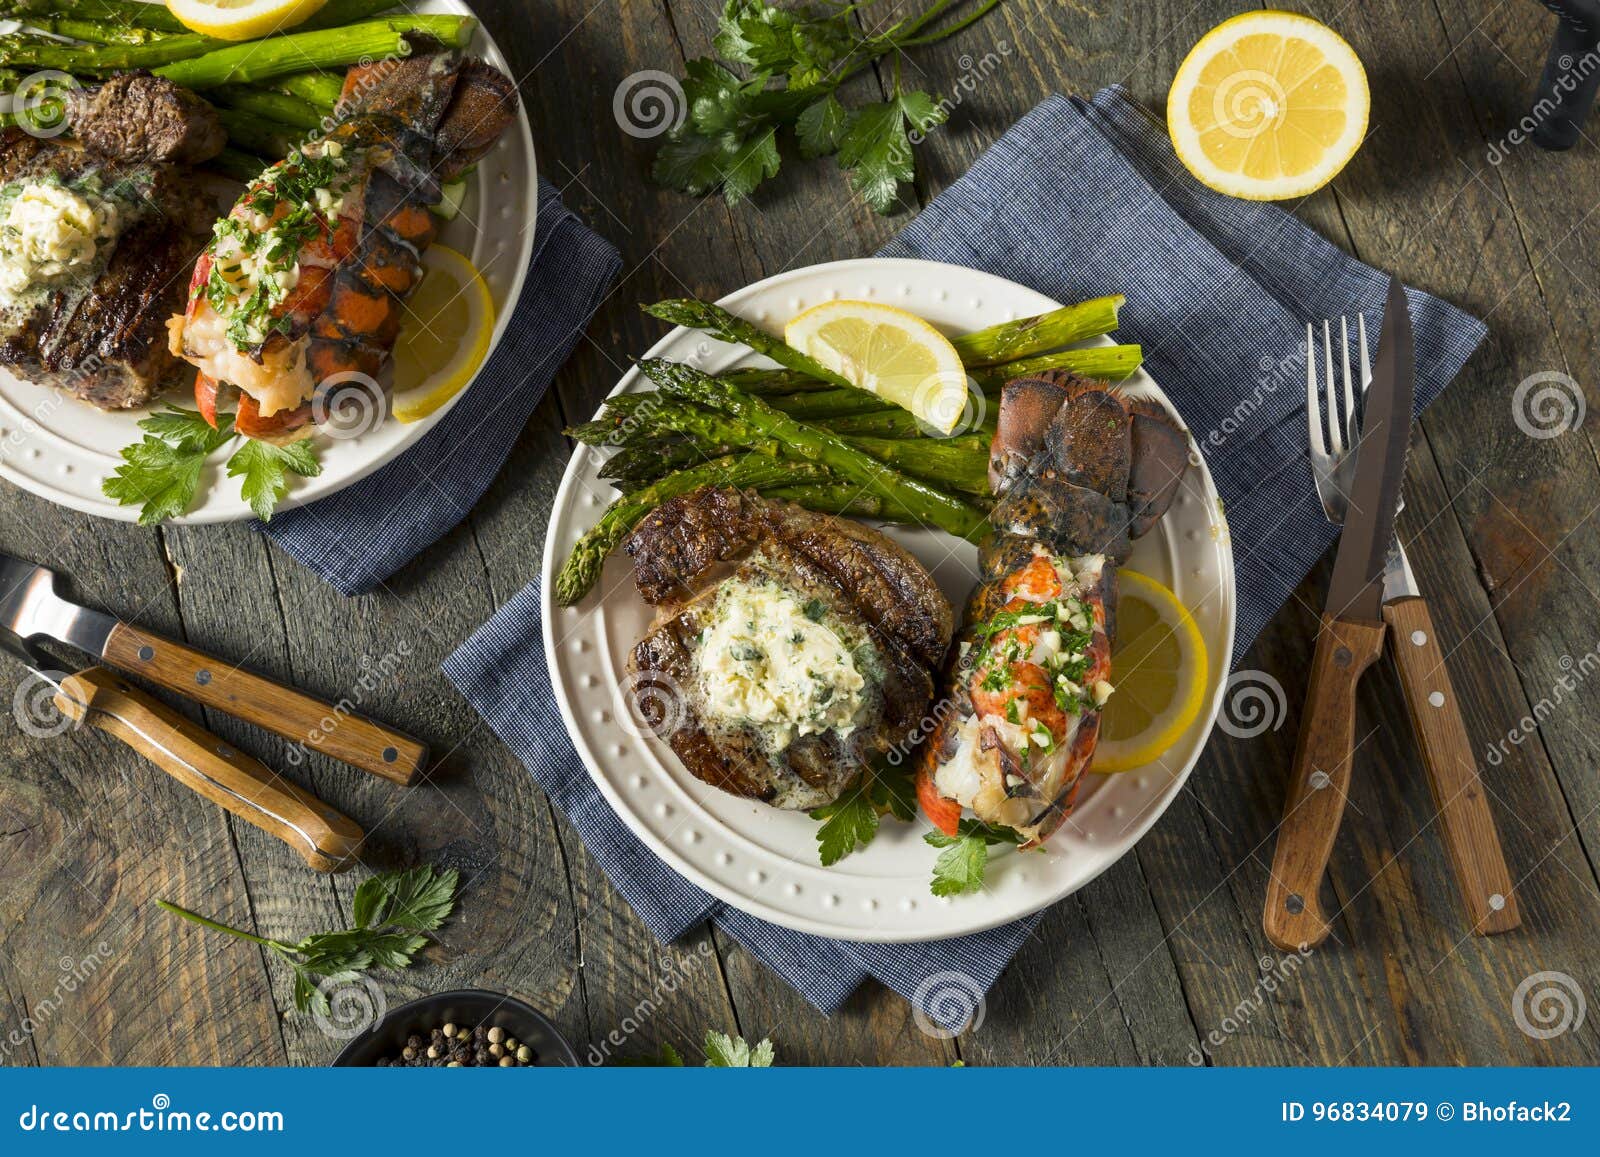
226, 776
1465, 821
1319, 785
256, 699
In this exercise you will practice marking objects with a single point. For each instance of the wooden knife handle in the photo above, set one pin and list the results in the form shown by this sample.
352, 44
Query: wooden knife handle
1320, 783
226, 776
1458, 793
256, 699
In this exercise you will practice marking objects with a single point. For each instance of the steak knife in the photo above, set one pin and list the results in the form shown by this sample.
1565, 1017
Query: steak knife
1349, 641
31, 608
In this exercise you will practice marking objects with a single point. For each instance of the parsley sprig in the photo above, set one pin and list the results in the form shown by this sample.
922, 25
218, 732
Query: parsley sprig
723, 1051
391, 911
795, 60
960, 866
161, 472
851, 821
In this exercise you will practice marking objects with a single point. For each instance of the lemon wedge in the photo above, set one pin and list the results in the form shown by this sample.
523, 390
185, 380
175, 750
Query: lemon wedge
888, 352
1159, 669
1268, 106
444, 334
242, 19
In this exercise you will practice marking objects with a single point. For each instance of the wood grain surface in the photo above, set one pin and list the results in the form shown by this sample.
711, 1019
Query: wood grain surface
1160, 961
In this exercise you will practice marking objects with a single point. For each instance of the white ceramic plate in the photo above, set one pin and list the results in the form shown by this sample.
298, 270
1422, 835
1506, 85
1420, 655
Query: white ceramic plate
62, 449
765, 861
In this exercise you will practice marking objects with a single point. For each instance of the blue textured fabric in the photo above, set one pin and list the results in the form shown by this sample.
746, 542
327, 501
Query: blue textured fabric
360, 536
1078, 199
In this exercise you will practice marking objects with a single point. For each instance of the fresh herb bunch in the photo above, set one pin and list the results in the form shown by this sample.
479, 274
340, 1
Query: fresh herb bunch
851, 821
960, 866
722, 1052
161, 472
796, 60
391, 912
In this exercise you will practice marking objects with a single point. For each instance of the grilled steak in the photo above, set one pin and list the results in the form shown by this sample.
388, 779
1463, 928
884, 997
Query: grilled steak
790, 650
98, 330
139, 117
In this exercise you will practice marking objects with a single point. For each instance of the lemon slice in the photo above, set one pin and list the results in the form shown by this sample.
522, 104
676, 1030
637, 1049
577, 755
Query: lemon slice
1159, 669
242, 19
888, 352
444, 334
1268, 106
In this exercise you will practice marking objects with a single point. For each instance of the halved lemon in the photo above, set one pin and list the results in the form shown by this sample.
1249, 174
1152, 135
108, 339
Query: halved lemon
1159, 669
444, 334
242, 19
1268, 106
888, 352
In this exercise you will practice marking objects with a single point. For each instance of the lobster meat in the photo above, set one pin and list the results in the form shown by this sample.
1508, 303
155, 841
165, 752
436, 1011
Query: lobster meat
1079, 470
300, 288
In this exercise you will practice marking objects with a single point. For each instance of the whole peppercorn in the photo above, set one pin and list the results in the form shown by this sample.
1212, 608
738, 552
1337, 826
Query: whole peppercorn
496, 1035
524, 1054
434, 1053
409, 1053
414, 1041
449, 1030
453, 1065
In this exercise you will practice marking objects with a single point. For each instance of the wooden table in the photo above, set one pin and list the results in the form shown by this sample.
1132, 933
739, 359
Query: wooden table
1160, 956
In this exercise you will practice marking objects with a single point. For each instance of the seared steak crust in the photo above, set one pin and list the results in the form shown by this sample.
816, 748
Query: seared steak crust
139, 117
106, 342
866, 583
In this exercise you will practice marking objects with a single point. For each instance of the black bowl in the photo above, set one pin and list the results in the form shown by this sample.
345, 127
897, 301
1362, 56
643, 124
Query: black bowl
470, 1007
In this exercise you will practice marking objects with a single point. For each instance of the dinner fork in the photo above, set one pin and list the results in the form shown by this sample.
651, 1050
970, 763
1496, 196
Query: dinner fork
1465, 821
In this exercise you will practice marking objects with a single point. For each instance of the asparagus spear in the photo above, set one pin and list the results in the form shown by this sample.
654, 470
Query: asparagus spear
238, 164
322, 89
274, 106
808, 443
721, 324
96, 31
258, 135
1035, 335
260, 60
582, 569
635, 466
764, 382
831, 498
107, 57
117, 12
1109, 362
961, 464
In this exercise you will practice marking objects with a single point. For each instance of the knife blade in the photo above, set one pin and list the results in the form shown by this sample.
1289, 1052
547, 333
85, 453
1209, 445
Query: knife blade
1368, 538
32, 608
1350, 641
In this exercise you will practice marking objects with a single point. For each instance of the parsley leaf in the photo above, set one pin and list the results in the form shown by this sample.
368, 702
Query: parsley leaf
848, 824
391, 909
734, 1052
161, 471
820, 127
894, 791
265, 468
876, 145
960, 866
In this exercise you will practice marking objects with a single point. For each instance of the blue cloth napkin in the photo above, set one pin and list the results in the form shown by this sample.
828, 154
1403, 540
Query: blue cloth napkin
360, 536
1078, 199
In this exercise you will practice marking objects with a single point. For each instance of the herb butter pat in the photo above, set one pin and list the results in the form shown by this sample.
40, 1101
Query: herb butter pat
768, 660
49, 231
